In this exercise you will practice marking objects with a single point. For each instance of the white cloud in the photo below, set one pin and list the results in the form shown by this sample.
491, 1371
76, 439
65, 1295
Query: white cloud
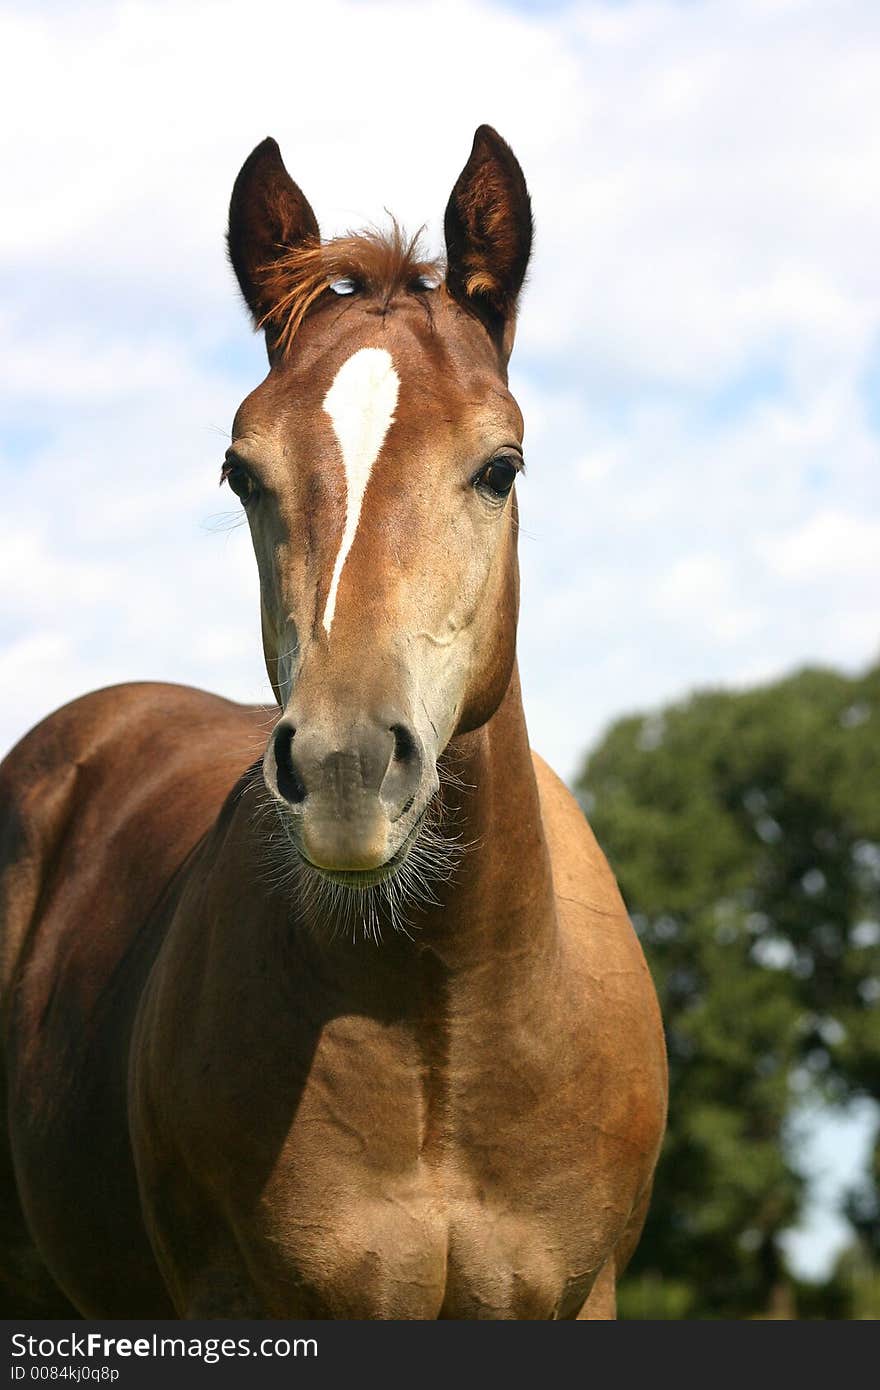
700, 590
703, 308
831, 543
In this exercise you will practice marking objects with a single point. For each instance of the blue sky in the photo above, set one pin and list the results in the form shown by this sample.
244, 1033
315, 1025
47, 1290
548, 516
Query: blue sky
698, 358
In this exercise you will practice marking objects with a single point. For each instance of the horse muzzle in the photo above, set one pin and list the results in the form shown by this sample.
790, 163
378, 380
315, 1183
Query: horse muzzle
352, 795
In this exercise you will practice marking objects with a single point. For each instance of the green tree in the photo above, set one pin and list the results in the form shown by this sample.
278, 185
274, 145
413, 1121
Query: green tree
744, 828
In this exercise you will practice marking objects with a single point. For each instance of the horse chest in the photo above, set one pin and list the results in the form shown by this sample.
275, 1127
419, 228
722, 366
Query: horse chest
414, 1253
390, 1174
388, 1204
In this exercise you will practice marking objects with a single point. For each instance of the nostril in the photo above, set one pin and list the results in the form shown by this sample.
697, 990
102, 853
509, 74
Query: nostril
290, 784
400, 783
405, 750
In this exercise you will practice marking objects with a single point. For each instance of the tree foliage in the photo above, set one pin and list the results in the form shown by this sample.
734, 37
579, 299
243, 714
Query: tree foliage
744, 828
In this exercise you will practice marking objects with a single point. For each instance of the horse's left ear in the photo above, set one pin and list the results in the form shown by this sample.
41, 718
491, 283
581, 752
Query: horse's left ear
488, 227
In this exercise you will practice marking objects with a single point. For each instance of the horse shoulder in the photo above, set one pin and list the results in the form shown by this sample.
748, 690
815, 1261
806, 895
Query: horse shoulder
607, 975
581, 873
104, 757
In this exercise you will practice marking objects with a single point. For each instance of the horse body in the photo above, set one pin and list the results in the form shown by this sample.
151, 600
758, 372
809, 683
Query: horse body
465, 1130
220, 1104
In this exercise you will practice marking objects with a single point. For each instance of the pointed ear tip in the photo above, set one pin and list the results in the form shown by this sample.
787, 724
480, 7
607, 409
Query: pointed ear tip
488, 143
264, 161
267, 148
267, 152
486, 135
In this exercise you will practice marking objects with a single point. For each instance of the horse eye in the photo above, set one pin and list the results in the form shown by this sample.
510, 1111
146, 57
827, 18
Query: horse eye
346, 284
496, 477
239, 480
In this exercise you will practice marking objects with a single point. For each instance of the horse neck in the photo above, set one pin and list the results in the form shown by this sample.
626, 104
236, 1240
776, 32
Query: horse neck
501, 898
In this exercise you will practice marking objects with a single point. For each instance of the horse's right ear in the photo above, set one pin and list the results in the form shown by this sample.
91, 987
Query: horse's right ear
268, 217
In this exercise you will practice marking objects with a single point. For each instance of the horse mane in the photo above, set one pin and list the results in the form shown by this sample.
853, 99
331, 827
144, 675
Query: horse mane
378, 264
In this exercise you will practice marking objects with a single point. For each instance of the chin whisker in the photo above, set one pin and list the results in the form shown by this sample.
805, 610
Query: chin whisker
358, 913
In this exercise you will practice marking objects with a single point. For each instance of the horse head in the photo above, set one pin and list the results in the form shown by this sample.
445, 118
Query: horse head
376, 466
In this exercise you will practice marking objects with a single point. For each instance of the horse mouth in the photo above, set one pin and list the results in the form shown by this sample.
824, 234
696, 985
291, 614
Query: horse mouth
360, 879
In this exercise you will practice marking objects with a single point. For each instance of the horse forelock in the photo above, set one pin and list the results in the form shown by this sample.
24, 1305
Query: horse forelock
380, 265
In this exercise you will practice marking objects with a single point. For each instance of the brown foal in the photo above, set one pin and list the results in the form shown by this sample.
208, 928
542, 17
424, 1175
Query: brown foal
353, 1024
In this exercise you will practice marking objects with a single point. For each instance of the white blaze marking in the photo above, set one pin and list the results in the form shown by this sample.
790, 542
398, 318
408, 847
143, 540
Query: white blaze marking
361, 405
